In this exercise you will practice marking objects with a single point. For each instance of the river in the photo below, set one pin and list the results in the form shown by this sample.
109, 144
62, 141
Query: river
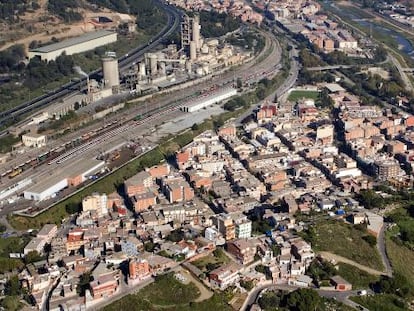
404, 45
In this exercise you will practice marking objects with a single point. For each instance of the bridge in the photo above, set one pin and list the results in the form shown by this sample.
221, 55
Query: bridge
333, 67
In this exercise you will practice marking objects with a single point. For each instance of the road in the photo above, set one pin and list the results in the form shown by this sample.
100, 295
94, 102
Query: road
383, 252
333, 257
283, 88
407, 82
72, 88
343, 297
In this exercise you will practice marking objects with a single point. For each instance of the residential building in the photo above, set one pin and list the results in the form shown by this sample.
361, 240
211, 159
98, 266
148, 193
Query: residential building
47, 232
35, 244
387, 169
139, 269
225, 276
97, 203
143, 201
225, 226
244, 250
75, 240
138, 183
104, 286
243, 228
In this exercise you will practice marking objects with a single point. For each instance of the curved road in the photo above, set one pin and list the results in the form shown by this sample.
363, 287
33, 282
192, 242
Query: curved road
383, 251
343, 297
333, 257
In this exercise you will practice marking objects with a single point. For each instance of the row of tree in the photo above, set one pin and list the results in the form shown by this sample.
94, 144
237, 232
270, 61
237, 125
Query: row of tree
217, 24
66, 9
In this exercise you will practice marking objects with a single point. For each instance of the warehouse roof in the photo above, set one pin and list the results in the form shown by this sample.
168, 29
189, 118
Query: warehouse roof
80, 167
46, 183
73, 41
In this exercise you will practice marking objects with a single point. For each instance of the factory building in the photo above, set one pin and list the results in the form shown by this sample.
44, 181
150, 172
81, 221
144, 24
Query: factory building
205, 101
46, 189
75, 45
34, 140
72, 175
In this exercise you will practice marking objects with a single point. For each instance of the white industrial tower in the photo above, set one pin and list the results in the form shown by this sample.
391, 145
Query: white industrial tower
190, 36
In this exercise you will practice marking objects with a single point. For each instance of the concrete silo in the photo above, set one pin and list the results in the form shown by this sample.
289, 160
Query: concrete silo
110, 72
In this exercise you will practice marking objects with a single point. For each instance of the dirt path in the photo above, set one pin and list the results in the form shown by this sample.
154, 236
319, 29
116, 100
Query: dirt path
204, 292
329, 256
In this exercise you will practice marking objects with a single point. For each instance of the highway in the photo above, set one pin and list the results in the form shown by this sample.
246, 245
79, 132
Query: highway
73, 87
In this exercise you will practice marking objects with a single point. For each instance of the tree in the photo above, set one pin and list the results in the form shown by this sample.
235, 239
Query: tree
176, 236
304, 299
321, 270
239, 83
73, 208
149, 246
83, 284
261, 93
12, 286
260, 268
195, 127
370, 199
271, 300
398, 284
324, 100
32, 256
370, 239
11, 303
248, 285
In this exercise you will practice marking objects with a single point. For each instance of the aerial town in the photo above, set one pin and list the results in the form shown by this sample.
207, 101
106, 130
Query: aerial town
267, 166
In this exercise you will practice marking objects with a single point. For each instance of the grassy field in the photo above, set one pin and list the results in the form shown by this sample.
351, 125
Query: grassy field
400, 256
358, 278
297, 95
380, 302
345, 240
11, 245
168, 294
212, 261
7, 142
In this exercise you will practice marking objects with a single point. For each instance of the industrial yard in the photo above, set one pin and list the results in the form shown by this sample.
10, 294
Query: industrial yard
111, 143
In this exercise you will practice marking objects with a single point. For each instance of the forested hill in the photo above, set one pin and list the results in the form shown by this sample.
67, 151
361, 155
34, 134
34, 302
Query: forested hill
10, 9
147, 12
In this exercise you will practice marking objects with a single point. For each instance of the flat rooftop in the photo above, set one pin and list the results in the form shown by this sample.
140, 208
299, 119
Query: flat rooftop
73, 41
45, 184
208, 96
62, 172
83, 166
